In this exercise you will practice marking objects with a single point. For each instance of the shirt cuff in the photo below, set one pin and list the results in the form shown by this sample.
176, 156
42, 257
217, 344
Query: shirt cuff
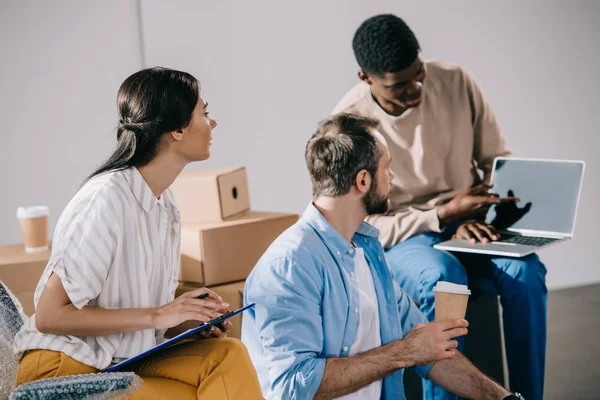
432, 220
423, 371
318, 372
78, 294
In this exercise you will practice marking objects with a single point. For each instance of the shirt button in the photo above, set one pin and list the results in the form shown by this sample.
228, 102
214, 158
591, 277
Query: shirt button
351, 251
338, 253
356, 310
352, 274
379, 258
345, 348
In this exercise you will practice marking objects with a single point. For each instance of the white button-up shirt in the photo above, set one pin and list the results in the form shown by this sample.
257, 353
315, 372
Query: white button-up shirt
115, 246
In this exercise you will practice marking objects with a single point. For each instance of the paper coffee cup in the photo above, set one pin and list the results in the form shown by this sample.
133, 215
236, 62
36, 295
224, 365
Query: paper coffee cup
450, 301
34, 226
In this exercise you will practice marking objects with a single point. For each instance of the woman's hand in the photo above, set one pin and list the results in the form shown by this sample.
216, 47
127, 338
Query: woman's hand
216, 332
189, 307
55, 314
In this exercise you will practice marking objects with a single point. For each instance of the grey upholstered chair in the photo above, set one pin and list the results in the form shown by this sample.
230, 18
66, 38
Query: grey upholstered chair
88, 386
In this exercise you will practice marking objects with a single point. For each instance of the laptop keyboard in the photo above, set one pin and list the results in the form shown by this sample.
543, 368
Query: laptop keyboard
527, 240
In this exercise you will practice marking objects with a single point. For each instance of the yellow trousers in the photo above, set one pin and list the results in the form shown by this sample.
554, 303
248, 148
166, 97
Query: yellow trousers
208, 369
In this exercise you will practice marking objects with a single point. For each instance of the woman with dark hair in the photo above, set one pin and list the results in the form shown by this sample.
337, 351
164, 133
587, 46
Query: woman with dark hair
107, 293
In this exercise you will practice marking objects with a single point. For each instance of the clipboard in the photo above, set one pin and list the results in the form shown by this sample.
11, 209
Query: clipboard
172, 341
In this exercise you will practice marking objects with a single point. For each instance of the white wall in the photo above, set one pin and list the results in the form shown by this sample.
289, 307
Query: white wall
270, 70
62, 64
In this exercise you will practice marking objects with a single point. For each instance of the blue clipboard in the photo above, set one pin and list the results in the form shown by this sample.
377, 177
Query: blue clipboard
170, 342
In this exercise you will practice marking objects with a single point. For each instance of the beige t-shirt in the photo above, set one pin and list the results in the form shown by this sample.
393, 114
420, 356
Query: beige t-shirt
115, 246
436, 148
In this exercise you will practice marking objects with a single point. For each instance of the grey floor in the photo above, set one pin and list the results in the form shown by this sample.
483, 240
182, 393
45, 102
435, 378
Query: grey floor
573, 355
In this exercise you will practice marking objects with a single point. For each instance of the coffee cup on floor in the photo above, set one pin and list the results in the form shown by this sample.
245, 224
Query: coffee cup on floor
450, 301
34, 227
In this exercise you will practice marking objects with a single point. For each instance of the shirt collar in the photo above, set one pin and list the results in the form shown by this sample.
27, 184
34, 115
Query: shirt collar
143, 193
366, 229
169, 201
332, 238
381, 111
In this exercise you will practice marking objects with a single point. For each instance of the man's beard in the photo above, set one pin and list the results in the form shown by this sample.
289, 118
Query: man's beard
374, 202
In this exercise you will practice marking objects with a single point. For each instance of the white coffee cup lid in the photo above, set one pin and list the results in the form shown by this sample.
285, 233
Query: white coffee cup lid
449, 287
33, 212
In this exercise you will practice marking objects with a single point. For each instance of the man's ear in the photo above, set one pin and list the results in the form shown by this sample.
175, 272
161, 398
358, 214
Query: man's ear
177, 135
363, 76
363, 181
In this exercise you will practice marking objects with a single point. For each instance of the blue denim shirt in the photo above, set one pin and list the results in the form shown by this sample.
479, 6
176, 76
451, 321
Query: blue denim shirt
306, 296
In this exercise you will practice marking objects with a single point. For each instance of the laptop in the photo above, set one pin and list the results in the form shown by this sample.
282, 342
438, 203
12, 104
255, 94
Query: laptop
549, 191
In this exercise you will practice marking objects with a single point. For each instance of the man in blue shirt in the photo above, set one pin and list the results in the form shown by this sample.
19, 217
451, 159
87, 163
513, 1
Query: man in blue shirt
315, 331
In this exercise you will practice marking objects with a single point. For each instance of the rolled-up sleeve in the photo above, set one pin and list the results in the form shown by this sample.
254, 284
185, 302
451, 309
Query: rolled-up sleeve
83, 260
288, 322
410, 315
405, 224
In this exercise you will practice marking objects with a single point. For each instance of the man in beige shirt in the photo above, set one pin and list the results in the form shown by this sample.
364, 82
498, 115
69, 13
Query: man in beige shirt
443, 138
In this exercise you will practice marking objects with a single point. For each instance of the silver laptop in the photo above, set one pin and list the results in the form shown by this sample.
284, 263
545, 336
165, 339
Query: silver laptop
549, 191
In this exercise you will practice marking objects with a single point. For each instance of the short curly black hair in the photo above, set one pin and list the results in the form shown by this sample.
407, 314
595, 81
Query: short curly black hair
384, 43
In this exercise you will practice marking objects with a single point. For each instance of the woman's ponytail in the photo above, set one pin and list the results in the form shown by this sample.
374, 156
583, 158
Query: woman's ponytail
151, 102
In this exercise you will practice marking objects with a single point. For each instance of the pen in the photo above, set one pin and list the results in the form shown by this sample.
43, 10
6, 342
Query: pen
203, 295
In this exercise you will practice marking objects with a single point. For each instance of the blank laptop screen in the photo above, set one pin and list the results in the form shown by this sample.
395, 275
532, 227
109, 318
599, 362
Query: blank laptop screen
548, 190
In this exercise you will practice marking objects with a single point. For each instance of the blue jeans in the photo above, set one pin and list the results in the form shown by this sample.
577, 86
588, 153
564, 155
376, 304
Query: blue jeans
520, 283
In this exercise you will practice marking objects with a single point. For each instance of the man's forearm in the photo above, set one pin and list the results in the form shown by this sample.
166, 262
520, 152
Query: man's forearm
461, 377
349, 374
443, 215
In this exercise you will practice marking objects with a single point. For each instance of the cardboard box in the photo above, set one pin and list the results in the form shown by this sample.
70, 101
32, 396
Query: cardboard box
211, 195
21, 272
232, 293
216, 253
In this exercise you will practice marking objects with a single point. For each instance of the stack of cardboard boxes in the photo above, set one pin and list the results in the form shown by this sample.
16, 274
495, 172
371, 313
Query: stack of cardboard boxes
221, 238
21, 271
